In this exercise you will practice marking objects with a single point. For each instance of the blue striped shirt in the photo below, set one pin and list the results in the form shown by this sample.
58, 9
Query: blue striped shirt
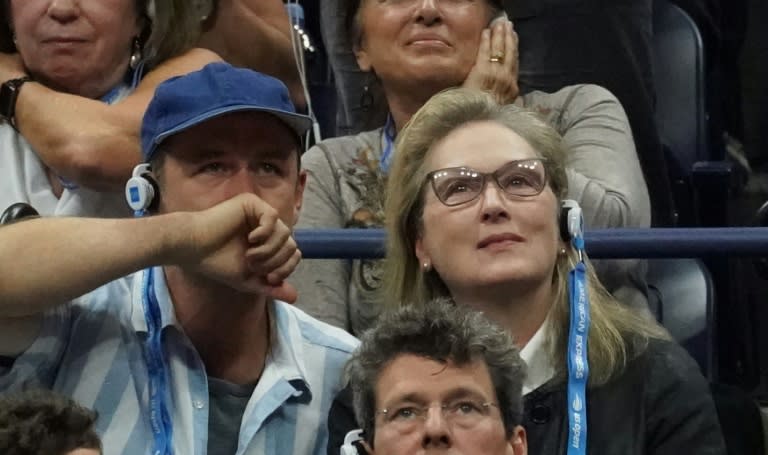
92, 350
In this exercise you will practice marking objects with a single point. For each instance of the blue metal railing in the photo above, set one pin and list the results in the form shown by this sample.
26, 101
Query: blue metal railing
600, 243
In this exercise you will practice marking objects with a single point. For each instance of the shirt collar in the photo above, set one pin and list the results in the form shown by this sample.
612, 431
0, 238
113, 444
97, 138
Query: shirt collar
537, 359
286, 350
286, 355
163, 296
284, 377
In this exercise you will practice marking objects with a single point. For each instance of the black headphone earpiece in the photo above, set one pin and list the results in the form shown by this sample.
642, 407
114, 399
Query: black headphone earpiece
571, 220
18, 212
141, 191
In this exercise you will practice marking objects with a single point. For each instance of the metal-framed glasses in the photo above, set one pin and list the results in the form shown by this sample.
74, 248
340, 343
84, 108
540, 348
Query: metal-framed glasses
459, 185
464, 413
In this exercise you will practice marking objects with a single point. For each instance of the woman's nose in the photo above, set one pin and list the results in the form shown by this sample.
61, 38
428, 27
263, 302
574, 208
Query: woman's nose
427, 11
64, 10
494, 203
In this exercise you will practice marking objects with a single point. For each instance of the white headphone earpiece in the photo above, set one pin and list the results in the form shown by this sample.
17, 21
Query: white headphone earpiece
571, 220
348, 448
139, 191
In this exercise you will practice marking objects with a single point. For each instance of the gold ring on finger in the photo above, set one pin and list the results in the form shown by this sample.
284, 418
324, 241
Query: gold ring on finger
497, 58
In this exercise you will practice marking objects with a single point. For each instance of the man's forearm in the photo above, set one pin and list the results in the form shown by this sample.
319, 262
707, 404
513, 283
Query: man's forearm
49, 261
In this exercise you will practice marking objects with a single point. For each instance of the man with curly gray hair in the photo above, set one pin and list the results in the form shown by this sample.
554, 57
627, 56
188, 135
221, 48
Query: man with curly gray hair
438, 377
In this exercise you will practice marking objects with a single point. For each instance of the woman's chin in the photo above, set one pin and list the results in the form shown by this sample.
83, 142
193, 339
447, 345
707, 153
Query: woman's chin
508, 276
63, 77
433, 73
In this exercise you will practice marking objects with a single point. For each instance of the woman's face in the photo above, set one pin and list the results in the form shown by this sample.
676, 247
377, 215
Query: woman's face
432, 43
76, 46
494, 239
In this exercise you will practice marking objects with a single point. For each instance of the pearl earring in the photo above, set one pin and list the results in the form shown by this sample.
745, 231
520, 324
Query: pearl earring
562, 251
135, 55
427, 266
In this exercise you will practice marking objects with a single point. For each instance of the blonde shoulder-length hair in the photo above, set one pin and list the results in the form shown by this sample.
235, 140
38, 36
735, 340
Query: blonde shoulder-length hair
616, 333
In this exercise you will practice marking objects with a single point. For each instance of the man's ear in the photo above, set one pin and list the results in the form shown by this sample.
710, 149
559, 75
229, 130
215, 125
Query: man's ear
301, 183
518, 442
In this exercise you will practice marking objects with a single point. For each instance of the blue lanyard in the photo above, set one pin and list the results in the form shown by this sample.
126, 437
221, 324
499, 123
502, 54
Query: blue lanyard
578, 363
388, 139
160, 419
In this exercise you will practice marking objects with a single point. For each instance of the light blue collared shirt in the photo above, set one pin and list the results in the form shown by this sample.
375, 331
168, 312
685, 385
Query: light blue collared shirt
92, 350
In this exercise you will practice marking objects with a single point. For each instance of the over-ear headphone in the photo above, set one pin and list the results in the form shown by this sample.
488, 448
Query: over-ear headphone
141, 190
571, 220
348, 448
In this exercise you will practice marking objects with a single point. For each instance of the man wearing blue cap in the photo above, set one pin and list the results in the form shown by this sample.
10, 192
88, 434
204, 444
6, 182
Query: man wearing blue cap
194, 351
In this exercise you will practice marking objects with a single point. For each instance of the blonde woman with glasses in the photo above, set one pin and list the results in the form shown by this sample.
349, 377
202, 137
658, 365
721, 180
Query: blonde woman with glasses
474, 210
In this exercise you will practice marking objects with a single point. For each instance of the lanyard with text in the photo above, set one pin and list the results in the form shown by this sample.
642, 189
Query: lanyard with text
160, 419
578, 364
388, 140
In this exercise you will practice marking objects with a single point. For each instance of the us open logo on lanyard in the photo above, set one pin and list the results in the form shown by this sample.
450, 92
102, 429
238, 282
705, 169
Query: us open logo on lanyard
577, 406
578, 364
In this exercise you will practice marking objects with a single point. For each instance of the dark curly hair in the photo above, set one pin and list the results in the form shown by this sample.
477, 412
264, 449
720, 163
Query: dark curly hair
41, 422
442, 331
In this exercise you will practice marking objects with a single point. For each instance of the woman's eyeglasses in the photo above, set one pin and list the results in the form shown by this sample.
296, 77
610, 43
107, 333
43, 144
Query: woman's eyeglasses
459, 185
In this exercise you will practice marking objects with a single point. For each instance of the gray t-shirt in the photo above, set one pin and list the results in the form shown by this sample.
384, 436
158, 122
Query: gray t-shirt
228, 402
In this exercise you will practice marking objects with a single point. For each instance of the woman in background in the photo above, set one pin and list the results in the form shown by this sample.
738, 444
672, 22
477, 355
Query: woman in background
77, 77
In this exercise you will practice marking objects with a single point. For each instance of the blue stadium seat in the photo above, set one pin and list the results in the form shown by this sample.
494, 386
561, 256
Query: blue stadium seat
682, 296
681, 117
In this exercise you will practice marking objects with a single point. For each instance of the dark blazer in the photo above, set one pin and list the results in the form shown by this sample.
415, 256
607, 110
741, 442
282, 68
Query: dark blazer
660, 404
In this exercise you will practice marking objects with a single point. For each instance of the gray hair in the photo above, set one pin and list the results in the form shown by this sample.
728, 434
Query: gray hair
169, 28
440, 330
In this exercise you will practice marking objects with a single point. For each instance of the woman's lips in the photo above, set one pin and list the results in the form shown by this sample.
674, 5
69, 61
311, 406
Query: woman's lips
499, 239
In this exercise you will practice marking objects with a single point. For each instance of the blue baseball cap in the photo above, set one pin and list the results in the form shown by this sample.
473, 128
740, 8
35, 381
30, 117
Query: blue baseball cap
219, 88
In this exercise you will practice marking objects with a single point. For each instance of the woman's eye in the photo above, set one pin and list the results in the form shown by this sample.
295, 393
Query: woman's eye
457, 186
516, 180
